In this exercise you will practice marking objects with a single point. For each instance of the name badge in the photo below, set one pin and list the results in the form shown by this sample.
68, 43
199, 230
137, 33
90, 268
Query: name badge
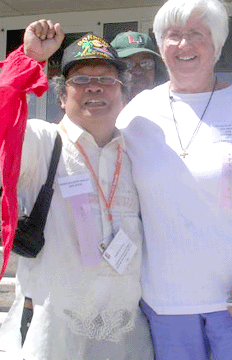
75, 185
120, 252
222, 133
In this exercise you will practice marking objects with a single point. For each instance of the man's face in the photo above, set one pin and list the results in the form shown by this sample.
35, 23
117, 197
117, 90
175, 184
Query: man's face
141, 67
93, 105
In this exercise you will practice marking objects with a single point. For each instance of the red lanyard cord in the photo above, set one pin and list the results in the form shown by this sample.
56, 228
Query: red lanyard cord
117, 171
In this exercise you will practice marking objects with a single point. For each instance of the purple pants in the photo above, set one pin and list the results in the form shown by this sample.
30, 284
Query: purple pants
190, 337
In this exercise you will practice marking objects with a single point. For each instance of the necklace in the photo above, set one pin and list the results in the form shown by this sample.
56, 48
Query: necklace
184, 150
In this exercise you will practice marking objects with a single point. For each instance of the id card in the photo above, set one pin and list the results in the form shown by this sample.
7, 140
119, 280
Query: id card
75, 185
120, 252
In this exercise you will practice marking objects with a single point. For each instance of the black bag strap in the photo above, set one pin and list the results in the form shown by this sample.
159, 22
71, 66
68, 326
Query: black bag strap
29, 236
42, 204
54, 160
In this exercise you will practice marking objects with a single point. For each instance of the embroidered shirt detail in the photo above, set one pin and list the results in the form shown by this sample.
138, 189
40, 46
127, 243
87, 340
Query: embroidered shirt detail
101, 326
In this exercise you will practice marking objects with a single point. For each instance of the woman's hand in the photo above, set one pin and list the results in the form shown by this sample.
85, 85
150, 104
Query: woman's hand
42, 39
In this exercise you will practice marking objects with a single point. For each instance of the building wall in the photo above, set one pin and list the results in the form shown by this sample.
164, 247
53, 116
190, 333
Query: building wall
106, 23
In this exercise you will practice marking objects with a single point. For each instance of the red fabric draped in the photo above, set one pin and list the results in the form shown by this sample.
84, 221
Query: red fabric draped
20, 75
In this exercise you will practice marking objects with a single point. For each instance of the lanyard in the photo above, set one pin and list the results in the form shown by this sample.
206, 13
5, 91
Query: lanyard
118, 165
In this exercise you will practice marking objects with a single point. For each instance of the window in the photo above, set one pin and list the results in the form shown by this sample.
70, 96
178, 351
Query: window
110, 30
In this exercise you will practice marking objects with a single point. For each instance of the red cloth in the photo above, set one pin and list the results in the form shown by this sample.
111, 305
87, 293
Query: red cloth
20, 75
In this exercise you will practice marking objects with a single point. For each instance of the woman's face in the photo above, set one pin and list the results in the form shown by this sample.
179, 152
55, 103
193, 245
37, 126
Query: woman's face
188, 51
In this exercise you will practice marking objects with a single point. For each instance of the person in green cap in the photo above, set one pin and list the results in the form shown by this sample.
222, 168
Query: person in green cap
144, 64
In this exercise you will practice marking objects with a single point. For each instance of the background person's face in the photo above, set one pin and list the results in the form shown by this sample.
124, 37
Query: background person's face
141, 78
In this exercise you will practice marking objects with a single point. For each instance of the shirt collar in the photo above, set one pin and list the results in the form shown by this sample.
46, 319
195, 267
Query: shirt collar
74, 132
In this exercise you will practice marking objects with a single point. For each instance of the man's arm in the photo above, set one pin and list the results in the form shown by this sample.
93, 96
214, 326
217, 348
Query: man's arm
21, 73
42, 39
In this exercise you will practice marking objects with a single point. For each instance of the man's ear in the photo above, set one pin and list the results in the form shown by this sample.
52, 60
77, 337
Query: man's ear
63, 101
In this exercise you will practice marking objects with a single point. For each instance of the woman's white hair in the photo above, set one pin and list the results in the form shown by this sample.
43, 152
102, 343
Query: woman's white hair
177, 12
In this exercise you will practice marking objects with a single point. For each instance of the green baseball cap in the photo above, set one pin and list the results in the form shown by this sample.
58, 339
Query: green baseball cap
130, 43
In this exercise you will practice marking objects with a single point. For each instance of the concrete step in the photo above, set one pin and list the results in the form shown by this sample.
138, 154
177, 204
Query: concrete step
7, 296
7, 285
7, 293
3, 315
12, 263
8, 281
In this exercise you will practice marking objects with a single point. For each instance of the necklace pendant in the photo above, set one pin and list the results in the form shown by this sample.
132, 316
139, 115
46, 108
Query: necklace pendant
184, 154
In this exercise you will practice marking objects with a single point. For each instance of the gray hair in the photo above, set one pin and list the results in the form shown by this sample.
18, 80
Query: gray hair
58, 85
177, 12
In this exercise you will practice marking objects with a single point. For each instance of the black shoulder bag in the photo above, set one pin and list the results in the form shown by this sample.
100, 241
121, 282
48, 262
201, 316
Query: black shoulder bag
29, 236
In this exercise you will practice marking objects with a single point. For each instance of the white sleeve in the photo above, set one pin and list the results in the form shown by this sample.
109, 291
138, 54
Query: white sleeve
36, 152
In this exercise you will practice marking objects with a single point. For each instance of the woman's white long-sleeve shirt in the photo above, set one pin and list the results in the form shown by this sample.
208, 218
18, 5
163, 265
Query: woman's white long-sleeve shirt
187, 258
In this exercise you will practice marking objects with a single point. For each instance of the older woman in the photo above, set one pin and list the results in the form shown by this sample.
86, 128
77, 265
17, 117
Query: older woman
186, 275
